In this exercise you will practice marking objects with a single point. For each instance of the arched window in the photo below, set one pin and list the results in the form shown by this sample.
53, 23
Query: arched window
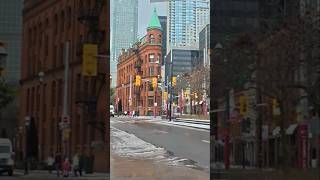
69, 17
152, 38
53, 94
62, 21
55, 24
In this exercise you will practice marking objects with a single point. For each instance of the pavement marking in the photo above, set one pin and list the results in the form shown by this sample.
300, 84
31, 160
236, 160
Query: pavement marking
165, 132
180, 126
205, 141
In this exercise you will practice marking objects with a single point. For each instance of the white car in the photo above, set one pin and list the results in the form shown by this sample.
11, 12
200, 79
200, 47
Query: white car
6, 156
112, 110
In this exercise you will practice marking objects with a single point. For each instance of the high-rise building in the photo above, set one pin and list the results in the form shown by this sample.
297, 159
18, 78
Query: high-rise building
163, 22
204, 45
185, 20
124, 28
10, 35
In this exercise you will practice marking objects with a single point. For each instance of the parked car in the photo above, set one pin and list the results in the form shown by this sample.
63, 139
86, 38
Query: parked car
112, 113
6, 156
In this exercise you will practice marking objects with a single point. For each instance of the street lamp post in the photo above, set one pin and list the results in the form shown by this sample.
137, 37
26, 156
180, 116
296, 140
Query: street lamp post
27, 151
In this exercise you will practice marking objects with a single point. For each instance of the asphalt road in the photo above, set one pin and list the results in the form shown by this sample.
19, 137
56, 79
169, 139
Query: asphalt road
190, 143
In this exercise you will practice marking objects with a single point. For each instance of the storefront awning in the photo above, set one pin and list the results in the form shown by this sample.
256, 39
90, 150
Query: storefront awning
291, 129
276, 131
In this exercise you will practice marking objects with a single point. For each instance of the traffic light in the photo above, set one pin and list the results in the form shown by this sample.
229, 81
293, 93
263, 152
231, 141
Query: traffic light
174, 81
154, 82
243, 100
138, 80
165, 95
275, 107
90, 62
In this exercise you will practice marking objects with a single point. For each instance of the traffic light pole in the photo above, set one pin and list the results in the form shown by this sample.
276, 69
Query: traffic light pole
171, 86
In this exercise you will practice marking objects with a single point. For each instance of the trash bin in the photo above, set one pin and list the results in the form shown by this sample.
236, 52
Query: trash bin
88, 164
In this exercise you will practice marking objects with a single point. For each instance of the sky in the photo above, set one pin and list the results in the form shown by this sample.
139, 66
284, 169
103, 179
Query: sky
145, 11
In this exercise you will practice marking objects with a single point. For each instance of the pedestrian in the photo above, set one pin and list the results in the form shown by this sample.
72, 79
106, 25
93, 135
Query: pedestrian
57, 162
81, 163
50, 163
66, 167
75, 164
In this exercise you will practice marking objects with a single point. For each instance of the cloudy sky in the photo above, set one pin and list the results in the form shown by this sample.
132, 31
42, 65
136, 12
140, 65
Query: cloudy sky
145, 12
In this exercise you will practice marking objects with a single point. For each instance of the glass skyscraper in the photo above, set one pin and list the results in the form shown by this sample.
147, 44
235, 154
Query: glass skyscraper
10, 35
186, 18
124, 27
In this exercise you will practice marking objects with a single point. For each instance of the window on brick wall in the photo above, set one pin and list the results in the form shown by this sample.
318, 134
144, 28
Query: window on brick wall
150, 88
62, 22
78, 85
151, 71
44, 95
28, 102
61, 54
152, 40
69, 17
32, 99
55, 55
151, 57
150, 101
60, 92
38, 98
55, 26
53, 94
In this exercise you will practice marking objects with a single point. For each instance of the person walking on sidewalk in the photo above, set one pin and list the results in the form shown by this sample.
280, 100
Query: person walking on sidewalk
66, 167
57, 162
75, 165
81, 163
50, 163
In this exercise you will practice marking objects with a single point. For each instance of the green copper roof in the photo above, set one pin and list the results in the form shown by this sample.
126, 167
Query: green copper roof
154, 22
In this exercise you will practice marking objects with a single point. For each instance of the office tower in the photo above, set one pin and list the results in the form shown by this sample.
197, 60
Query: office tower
124, 28
185, 20
163, 22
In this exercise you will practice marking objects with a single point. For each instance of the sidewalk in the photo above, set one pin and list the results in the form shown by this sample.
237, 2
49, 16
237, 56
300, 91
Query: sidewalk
268, 174
43, 173
138, 169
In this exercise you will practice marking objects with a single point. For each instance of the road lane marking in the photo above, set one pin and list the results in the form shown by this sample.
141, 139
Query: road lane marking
205, 141
165, 132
